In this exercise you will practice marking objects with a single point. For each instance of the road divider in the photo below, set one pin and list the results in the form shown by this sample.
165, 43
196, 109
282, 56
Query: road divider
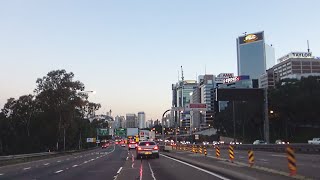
250, 158
231, 153
291, 161
217, 151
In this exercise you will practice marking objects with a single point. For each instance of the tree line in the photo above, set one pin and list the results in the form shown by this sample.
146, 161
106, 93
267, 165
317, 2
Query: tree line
55, 117
293, 113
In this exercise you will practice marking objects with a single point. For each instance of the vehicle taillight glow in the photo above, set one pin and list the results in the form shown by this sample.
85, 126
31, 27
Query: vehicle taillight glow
139, 148
136, 145
147, 144
156, 148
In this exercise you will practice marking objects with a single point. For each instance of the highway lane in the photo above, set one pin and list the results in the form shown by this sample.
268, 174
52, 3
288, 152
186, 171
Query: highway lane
86, 164
307, 164
164, 168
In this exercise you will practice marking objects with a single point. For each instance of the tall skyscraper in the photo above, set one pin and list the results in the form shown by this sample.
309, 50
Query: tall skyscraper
131, 120
254, 55
142, 120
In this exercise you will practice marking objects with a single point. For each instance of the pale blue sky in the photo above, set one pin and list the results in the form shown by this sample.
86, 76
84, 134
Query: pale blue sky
129, 51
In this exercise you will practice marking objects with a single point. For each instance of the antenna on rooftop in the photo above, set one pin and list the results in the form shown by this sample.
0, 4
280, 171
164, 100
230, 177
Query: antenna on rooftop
308, 45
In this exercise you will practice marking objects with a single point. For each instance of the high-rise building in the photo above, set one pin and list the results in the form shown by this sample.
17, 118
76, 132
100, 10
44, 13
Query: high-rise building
131, 120
254, 55
142, 120
293, 65
181, 93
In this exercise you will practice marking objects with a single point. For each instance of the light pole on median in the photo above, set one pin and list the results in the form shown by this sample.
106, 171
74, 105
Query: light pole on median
163, 124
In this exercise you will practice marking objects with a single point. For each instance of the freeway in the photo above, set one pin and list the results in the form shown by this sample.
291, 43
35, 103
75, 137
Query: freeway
117, 163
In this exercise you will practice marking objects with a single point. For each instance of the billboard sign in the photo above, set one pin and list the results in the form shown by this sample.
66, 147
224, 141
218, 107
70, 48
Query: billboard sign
225, 75
91, 140
249, 38
235, 79
196, 107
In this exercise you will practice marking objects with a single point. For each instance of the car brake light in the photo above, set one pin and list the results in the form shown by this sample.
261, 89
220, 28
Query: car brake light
136, 145
147, 144
156, 148
139, 148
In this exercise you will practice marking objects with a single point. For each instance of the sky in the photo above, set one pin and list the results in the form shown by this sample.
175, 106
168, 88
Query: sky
130, 51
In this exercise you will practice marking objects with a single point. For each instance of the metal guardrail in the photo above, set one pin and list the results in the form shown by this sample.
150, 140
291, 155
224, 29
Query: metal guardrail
10, 159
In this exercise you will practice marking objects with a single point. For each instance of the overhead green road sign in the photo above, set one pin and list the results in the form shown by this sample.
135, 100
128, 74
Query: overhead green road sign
103, 132
122, 132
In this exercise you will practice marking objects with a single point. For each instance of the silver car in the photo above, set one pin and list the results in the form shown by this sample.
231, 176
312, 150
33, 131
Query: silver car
147, 149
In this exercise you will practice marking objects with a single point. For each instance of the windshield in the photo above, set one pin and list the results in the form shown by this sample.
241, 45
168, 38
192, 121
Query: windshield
145, 143
217, 89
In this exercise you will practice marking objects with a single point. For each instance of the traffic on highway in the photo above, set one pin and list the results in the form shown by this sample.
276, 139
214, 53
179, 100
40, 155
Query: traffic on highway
159, 90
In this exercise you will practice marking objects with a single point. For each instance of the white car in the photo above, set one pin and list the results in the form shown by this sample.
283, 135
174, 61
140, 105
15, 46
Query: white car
259, 142
314, 141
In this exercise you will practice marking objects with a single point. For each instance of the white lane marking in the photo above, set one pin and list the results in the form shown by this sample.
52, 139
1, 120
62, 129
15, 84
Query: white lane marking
119, 170
241, 157
58, 161
46, 164
277, 155
200, 169
58, 171
1, 174
152, 174
127, 158
26, 168
265, 160
85, 162
75, 165
92, 159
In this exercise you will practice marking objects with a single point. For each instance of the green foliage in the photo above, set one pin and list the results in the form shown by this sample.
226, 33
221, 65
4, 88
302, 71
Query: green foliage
38, 123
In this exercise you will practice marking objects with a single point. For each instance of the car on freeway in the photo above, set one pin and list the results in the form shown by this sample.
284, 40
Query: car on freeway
105, 145
314, 141
235, 143
259, 142
147, 149
205, 143
132, 145
279, 141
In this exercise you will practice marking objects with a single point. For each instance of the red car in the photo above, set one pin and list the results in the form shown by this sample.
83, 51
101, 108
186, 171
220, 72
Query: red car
132, 145
105, 145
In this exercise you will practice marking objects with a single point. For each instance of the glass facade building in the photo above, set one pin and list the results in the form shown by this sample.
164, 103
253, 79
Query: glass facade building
254, 57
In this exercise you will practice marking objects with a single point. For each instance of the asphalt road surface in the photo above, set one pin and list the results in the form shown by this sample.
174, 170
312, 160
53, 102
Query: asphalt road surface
117, 163
307, 164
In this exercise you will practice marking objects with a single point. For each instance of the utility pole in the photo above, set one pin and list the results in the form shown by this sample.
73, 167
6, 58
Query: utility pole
234, 122
266, 116
64, 139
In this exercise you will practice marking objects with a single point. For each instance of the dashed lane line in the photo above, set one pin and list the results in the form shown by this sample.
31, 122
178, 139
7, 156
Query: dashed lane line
26, 168
119, 170
46, 164
59, 171
75, 165
1, 174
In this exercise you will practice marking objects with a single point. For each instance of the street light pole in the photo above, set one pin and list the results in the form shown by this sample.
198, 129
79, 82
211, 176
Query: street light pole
163, 124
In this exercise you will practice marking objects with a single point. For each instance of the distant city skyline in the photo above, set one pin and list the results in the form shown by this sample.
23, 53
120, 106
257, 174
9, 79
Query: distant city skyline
130, 52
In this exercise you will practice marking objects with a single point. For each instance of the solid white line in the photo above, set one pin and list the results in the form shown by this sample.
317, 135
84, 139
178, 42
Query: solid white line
119, 170
203, 170
1, 174
46, 164
152, 174
58, 161
58, 171
26, 168
75, 165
